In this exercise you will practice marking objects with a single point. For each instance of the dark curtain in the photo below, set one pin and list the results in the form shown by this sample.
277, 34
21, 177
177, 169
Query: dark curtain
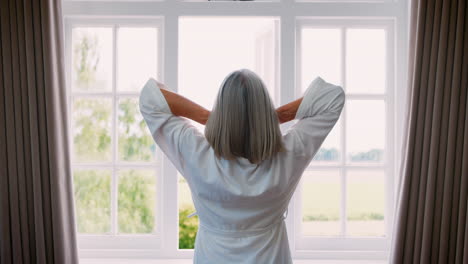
36, 199
431, 219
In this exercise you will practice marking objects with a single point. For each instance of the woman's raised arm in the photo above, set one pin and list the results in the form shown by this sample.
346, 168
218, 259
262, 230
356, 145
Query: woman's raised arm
288, 111
181, 106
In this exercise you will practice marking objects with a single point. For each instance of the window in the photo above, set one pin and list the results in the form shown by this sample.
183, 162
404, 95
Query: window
223, 45
129, 199
116, 166
345, 194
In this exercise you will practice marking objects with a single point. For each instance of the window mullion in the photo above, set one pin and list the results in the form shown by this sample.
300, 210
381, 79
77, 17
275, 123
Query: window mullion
287, 68
343, 137
169, 177
390, 140
114, 194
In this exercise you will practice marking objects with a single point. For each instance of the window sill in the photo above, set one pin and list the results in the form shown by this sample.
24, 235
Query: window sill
189, 261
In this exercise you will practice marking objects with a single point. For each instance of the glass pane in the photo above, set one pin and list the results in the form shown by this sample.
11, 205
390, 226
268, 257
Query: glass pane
365, 60
136, 201
135, 141
365, 135
92, 200
91, 129
188, 226
320, 55
137, 57
366, 203
321, 194
223, 45
330, 150
92, 59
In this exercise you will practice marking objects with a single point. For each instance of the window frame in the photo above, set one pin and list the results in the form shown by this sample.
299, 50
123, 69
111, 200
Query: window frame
98, 243
343, 243
164, 14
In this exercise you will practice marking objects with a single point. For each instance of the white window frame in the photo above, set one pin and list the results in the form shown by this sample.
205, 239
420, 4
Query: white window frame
164, 15
353, 245
95, 243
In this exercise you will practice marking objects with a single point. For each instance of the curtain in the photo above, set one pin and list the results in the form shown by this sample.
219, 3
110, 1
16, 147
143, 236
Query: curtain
432, 216
36, 203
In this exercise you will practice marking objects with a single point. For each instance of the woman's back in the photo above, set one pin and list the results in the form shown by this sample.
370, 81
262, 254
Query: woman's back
241, 206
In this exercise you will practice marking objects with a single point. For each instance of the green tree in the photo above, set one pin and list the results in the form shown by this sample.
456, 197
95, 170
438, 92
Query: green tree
324, 154
136, 201
86, 61
374, 155
92, 200
92, 140
135, 141
187, 228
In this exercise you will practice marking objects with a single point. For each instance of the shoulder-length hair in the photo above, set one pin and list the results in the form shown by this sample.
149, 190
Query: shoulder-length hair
243, 121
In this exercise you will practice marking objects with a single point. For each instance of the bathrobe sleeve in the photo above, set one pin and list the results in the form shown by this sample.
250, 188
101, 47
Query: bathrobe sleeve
317, 114
170, 132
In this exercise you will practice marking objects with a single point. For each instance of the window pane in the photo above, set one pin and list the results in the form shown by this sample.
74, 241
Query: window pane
135, 141
92, 59
188, 226
320, 55
136, 201
365, 60
137, 57
92, 200
365, 135
366, 203
91, 129
223, 45
321, 192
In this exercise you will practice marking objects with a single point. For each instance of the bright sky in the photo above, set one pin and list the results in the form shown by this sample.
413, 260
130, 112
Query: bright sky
137, 57
365, 72
211, 48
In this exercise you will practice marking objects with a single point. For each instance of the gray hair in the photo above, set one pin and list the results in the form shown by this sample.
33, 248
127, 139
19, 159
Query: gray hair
243, 121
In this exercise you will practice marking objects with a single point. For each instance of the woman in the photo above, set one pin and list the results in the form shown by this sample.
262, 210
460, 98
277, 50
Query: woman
242, 172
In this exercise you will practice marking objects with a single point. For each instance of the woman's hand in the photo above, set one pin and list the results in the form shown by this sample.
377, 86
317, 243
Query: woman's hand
204, 116
284, 116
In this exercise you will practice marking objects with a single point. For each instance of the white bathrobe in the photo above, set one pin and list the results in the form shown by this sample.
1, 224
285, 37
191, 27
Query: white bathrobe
241, 206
